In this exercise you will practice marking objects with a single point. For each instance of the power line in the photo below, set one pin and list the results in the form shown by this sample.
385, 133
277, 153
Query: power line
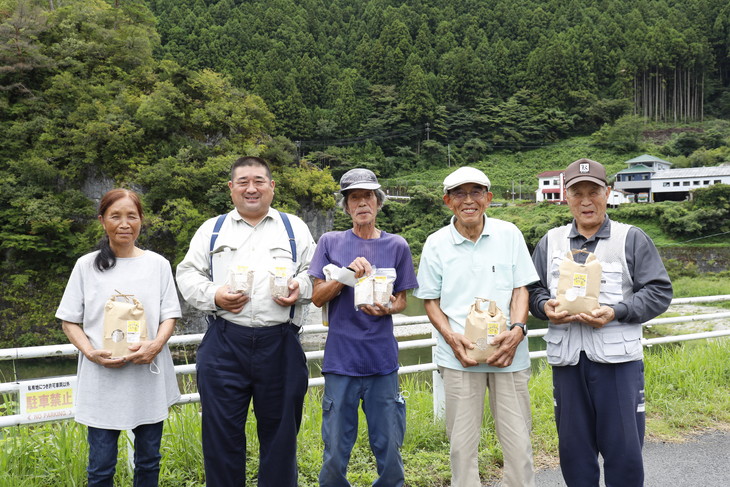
693, 239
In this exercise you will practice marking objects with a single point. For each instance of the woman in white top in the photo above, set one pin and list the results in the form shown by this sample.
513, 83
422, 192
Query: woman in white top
132, 392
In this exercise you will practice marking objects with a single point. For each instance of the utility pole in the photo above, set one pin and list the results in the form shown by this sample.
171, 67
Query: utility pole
428, 131
448, 151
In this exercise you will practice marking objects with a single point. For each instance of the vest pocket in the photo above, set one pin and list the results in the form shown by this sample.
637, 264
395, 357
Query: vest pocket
611, 283
625, 343
557, 345
613, 344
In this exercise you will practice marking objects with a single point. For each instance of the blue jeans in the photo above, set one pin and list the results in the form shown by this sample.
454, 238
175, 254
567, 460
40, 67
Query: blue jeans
385, 412
103, 455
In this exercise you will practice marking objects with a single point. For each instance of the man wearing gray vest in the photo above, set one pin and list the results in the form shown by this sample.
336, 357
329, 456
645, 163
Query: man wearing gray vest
597, 357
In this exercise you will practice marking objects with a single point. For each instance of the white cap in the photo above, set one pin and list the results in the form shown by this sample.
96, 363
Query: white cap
465, 175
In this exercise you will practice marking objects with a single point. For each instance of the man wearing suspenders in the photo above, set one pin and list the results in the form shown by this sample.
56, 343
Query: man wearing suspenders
251, 349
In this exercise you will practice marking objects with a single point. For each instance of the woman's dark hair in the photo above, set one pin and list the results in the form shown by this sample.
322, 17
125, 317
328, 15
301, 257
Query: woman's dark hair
106, 259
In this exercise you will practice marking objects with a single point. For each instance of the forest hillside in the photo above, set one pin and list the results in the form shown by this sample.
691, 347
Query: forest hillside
162, 95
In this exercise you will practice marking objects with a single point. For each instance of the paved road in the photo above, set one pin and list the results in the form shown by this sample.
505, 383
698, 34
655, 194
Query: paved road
702, 460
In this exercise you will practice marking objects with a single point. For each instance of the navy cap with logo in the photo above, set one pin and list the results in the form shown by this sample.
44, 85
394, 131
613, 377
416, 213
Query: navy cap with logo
358, 178
585, 170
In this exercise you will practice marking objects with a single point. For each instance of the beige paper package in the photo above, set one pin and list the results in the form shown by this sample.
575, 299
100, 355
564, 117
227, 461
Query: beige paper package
579, 285
124, 324
482, 325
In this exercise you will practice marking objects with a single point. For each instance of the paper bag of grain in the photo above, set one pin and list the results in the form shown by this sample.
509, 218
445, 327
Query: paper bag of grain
124, 324
579, 285
482, 325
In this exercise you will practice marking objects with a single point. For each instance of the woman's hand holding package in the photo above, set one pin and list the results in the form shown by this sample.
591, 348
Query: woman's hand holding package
103, 358
143, 352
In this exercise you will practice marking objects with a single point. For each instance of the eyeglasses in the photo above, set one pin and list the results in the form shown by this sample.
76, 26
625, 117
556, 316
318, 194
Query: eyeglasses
476, 194
245, 183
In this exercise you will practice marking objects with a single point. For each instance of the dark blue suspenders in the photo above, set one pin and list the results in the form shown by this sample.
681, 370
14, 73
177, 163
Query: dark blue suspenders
213, 238
293, 245
289, 231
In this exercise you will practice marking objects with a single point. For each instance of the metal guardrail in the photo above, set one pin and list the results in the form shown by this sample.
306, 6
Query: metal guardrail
194, 339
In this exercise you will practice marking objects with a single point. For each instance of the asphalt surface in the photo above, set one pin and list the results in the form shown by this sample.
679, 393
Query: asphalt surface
701, 460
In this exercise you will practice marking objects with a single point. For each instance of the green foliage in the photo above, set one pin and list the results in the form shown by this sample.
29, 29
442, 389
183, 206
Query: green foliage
687, 387
678, 269
305, 183
317, 68
26, 311
86, 106
623, 136
704, 146
162, 95
707, 214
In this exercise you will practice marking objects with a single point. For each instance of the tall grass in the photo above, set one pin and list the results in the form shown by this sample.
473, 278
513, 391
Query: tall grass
705, 285
686, 388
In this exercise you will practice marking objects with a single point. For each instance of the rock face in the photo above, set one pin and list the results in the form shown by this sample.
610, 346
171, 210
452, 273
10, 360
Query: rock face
707, 259
317, 220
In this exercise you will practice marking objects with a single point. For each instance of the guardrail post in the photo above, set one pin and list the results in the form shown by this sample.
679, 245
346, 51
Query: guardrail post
439, 398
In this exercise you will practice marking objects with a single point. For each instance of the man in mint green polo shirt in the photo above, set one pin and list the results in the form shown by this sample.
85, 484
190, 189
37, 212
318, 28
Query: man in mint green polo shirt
477, 256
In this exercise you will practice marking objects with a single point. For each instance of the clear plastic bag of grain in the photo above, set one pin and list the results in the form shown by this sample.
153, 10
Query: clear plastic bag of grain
279, 278
383, 280
240, 279
364, 291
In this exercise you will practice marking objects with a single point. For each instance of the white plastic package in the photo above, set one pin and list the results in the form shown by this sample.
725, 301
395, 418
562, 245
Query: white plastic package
375, 288
383, 280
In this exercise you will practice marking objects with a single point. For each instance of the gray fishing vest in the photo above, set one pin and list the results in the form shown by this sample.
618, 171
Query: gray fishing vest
615, 342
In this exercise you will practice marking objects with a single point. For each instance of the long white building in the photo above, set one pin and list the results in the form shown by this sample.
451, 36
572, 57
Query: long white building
675, 184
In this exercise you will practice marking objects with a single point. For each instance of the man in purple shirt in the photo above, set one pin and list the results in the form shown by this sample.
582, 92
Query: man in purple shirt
361, 354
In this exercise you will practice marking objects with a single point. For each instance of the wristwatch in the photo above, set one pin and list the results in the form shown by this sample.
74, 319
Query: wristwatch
521, 325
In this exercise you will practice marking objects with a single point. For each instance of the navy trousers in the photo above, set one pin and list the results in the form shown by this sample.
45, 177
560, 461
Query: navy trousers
234, 365
599, 409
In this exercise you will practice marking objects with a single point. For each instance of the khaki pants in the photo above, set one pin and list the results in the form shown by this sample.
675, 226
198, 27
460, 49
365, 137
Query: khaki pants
509, 401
